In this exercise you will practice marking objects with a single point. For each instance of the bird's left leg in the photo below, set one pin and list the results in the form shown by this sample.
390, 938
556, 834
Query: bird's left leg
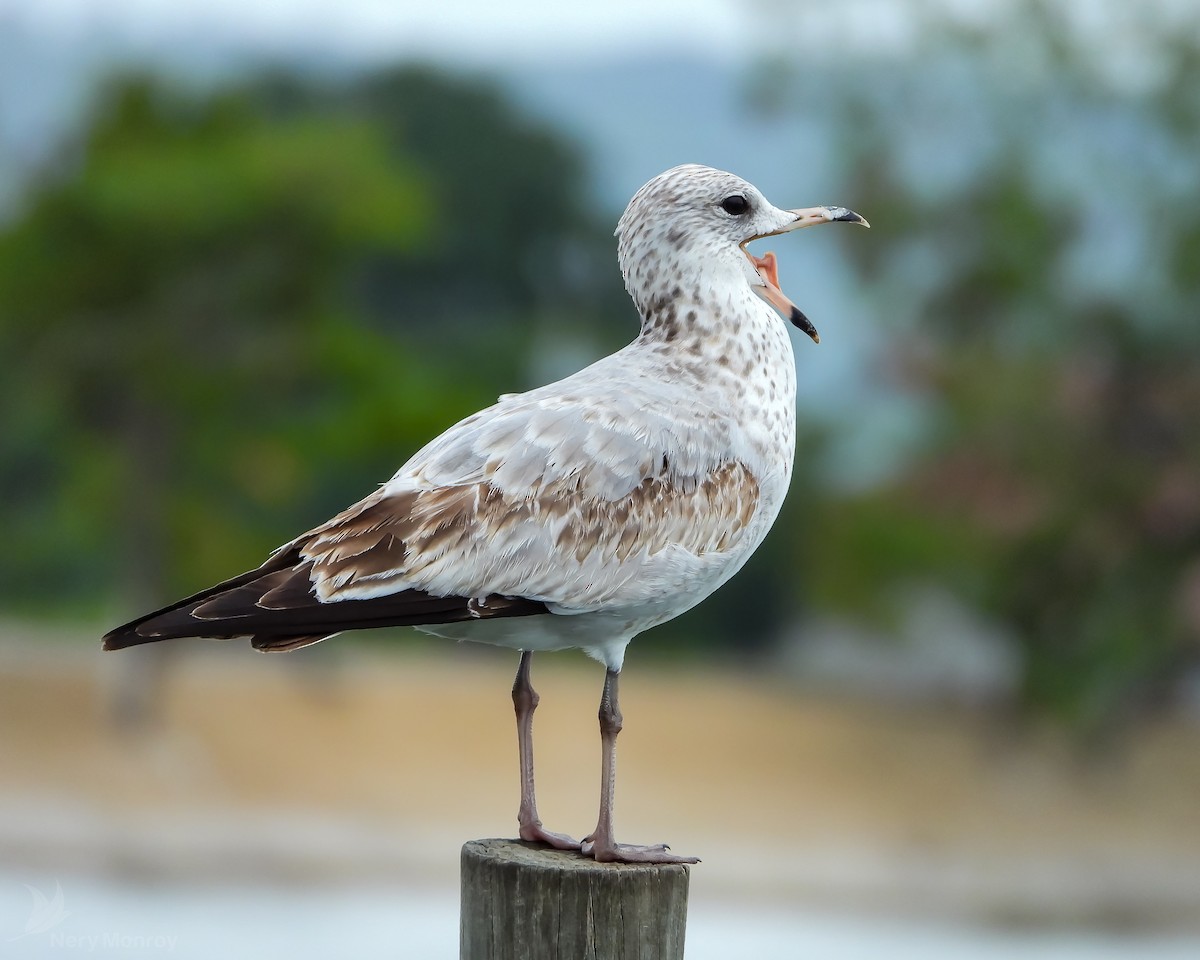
602, 844
525, 700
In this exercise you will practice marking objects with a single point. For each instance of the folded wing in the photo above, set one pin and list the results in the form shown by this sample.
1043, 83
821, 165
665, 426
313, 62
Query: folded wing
537, 505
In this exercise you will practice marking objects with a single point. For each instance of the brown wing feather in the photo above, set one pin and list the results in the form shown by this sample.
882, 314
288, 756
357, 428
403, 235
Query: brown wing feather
373, 538
445, 537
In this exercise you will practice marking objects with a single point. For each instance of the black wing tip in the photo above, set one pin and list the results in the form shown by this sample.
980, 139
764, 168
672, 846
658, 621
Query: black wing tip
136, 632
274, 630
124, 637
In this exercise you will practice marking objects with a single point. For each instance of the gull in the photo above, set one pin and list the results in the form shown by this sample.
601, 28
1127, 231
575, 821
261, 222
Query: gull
581, 513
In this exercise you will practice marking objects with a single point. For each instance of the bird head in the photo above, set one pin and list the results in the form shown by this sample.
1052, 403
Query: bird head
686, 231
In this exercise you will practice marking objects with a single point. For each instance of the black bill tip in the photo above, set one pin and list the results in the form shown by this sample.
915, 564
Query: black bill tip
801, 321
848, 216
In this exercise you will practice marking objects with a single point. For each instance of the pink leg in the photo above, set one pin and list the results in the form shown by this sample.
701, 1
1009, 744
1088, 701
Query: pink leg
601, 844
525, 700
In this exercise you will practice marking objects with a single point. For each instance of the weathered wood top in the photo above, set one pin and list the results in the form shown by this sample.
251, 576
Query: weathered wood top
540, 857
523, 901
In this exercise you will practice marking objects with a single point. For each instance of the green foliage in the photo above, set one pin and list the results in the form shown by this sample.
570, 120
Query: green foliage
216, 315
1058, 485
514, 231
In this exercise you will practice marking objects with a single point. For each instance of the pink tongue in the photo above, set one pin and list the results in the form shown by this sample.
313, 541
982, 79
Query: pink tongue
768, 267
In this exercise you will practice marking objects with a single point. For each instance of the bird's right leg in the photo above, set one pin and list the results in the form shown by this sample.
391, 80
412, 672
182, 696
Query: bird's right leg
525, 700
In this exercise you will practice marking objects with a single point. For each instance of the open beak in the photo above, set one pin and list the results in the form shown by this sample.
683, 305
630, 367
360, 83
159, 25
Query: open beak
768, 269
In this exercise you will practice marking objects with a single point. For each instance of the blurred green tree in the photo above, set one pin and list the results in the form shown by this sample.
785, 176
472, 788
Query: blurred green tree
511, 199
213, 321
1038, 262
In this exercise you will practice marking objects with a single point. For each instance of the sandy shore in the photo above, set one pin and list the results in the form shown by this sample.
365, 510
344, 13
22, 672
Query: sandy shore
353, 763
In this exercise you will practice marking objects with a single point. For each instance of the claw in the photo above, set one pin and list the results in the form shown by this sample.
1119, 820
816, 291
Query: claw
633, 853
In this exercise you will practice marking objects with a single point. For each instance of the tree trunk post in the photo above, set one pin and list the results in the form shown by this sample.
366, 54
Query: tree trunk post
523, 901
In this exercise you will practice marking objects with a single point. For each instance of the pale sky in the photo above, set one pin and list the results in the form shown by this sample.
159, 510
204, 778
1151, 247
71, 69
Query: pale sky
512, 31
477, 30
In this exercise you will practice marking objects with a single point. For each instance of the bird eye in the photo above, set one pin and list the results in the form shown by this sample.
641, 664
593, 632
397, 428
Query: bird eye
736, 205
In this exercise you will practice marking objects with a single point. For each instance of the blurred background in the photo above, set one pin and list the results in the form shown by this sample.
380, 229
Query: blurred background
252, 256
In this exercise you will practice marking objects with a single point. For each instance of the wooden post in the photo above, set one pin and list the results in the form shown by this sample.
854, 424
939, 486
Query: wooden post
522, 901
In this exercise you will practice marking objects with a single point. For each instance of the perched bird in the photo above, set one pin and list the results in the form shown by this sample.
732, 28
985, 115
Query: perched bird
583, 512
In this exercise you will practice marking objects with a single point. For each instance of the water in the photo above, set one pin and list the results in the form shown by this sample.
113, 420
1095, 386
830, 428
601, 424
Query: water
103, 917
